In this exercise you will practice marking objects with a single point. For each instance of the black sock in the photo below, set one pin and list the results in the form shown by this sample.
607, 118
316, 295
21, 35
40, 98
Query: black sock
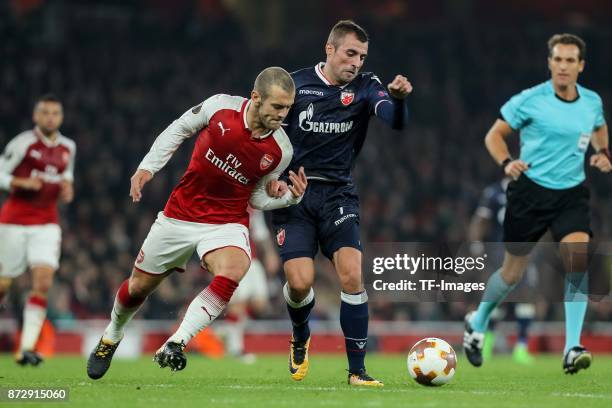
354, 321
299, 312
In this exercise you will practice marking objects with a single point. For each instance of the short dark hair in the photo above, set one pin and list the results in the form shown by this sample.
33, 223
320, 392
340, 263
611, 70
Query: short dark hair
566, 38
48, 97
344, 27
273, 76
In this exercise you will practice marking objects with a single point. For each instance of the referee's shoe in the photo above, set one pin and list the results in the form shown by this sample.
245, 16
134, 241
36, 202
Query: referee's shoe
473, 342
577, 358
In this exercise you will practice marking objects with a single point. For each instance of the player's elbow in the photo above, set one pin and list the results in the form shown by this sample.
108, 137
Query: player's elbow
493, 138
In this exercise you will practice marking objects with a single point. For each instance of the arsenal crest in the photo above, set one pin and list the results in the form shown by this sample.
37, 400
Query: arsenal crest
280, 237
140, 257
346, 97
266, 161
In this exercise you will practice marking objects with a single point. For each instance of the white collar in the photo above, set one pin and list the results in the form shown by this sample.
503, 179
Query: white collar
319, 71
46, 141
246, 124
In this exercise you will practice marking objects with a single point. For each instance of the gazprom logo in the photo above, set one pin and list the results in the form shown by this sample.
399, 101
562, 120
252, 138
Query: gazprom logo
306, 123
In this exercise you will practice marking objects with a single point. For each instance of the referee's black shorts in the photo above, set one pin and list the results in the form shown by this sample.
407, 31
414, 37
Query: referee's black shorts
532, 209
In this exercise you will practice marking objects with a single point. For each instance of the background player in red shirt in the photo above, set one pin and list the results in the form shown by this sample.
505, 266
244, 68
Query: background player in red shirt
240, 149
36, 168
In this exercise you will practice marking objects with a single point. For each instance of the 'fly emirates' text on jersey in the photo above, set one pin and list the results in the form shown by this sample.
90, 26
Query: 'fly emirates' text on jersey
228, 168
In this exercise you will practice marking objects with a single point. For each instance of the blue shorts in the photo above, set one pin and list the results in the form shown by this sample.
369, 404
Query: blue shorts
327, 217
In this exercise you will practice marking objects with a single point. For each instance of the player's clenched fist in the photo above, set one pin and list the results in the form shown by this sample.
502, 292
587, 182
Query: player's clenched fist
515, 168
138, 180
299, 182
276, 188
400, 87
602, 162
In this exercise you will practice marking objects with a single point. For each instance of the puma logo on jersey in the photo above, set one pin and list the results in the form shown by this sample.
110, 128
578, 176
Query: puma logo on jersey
223, 130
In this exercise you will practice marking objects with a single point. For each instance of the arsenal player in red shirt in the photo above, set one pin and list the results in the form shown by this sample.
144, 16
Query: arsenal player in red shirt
37, 169
241, 150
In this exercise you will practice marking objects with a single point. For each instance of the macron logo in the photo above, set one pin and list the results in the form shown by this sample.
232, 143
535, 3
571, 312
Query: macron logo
344, 218
310, 92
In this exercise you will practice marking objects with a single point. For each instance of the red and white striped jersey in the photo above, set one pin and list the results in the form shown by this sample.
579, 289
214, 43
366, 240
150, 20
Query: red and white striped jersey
31, 154
228, 168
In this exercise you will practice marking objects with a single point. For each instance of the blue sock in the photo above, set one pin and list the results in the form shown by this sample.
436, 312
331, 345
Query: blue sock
576, 300
495, 292
523, 330
299, 312
354, 322
524, 312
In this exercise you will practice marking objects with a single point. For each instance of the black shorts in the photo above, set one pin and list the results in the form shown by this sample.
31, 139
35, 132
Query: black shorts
532, 209
327, 217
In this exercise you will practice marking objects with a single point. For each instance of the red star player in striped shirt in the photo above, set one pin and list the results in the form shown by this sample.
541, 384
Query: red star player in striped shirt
37, 169
240, 152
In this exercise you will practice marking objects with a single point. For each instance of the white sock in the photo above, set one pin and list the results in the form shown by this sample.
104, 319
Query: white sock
235, 338
120, 316
200, 314
34, 315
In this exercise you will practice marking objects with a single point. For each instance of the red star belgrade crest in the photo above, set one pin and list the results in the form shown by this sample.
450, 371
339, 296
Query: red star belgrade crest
280, 237
266, 161
346, 97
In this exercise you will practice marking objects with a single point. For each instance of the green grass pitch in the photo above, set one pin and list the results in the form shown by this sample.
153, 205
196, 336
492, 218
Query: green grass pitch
266, 383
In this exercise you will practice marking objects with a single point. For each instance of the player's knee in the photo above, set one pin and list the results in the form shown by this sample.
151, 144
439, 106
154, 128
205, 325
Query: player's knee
575, 255
513, 268
41, 288
232, 268
140, 285
299, 289
42, 281
350, 280
512, 274
5, 284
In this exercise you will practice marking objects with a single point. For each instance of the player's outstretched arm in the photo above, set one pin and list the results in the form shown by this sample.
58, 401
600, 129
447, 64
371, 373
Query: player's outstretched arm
400, 87
138, 180
495, 141
601, 159
190, 122
393, 110
261, 200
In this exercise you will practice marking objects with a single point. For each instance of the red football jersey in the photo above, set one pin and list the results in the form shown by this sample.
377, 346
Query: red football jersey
227, 163
31, 154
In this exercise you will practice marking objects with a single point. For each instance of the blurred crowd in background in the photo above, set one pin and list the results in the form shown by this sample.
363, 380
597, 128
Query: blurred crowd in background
125, 70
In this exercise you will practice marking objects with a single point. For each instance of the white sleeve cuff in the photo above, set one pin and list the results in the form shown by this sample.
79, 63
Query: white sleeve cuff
5, 181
